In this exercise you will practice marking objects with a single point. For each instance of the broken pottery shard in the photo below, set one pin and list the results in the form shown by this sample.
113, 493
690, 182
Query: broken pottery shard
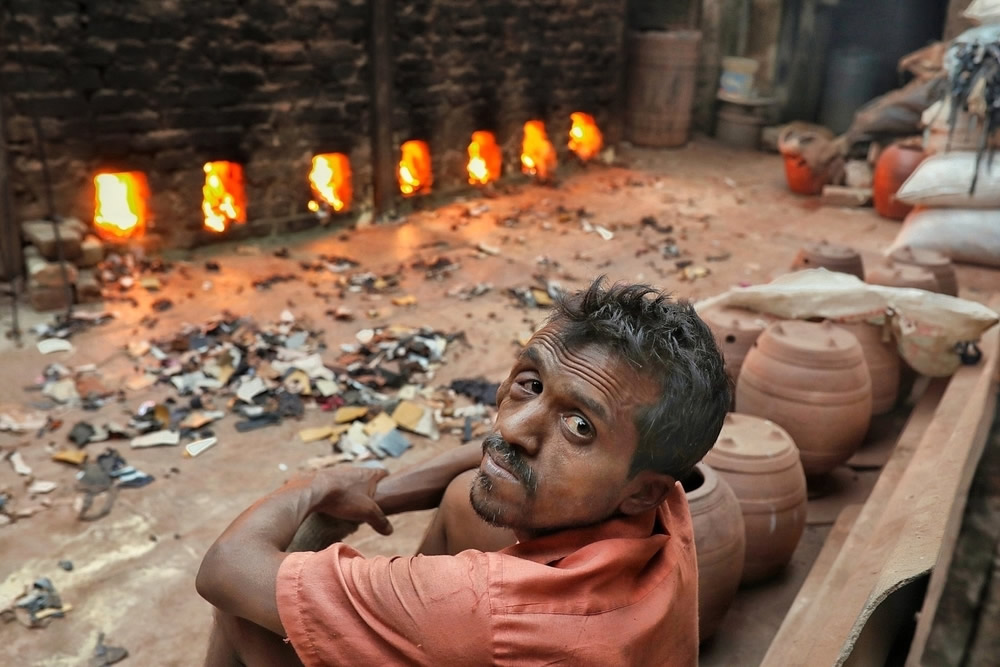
604, 232
408, 300
18, 419
50, 345
140, 382
365, 336
382, 423
542, 297
297, 382
354, 441
326, 387
72, 456
20, 467
487, 249
349, 413
313, 434
287, 316
41, 486
195, 448
250, 388
138, 348
151, 283
416, 419
61, 391
392, 443
157, 439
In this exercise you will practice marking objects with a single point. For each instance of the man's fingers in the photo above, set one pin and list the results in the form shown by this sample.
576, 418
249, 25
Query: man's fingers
377, 518
360, 507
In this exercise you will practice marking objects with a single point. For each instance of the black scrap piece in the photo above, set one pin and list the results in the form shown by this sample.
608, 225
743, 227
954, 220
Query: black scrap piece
478, 389
162, 304
271, 281
650, 221
66, 565
266, 419
212, 267
81, 433
289, 404
106, 655
969, 353
42, 597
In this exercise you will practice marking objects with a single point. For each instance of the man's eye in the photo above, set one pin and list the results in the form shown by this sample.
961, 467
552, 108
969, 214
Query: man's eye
578, 425
534, 386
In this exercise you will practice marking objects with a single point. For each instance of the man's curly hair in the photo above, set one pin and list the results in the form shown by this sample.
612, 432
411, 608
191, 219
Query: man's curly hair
666, 340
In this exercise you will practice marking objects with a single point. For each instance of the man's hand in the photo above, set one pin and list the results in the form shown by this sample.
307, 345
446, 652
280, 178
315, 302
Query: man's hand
348, 493
239, 573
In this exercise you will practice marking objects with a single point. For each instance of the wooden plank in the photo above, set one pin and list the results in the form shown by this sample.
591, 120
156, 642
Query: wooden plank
383, 155
896, 540
10, 232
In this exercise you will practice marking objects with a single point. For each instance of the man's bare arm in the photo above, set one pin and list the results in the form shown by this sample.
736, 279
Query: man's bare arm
422, 487
239, 573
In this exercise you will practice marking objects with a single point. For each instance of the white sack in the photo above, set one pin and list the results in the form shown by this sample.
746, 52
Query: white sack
925, 325
965, 235
943, 180
983, 11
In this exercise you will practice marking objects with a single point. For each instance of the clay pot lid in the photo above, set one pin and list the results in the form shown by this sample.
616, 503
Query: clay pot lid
816, 341
749, 437
728, 318
831, 250
931, 259
902, 275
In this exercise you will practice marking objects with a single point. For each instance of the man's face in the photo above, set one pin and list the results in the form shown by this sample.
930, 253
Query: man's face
564, 438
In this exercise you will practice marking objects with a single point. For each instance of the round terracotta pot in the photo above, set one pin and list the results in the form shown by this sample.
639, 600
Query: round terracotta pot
801, 178
812, 380
831, 257
938, 264
902, 275
883, 362
759, 461
719, 539
736, 331
894, 166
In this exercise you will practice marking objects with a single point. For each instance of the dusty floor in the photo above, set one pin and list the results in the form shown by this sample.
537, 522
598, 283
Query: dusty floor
134, 570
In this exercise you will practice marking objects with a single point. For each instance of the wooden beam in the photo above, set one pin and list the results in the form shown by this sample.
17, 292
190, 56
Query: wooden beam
383, 154
11, 260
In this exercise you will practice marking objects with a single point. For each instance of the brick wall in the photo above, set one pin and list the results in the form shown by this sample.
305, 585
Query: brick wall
163, 86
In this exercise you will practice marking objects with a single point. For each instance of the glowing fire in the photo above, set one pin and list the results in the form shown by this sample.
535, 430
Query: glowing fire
330, 179
120, 204
485, 158
585, 138
415, 175
538, 157
224, 200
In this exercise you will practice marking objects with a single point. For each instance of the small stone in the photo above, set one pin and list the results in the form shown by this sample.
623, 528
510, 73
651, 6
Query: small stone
66, 565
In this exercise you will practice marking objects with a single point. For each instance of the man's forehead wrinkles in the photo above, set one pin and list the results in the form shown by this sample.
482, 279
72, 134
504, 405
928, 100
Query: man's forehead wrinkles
576, 363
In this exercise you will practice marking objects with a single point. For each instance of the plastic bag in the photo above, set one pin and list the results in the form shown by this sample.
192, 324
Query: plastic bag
926, 326
965, 235
943, 180
983, 11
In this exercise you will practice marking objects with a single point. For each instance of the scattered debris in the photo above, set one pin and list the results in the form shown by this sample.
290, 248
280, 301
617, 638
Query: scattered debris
478, 389
37, 606
20, 467
106, 655
50, 345
195, 448
157, 439
465, 293
41, 487
66, 565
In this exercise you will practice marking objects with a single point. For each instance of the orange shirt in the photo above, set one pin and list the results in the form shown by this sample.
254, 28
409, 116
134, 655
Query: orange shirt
624, 592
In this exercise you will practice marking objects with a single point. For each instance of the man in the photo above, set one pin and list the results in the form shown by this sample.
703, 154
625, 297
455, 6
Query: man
570, 544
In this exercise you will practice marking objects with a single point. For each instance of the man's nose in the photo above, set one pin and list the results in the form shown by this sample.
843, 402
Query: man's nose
523, 427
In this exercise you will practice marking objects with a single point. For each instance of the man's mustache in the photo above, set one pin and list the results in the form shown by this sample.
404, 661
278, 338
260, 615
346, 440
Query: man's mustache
512, 460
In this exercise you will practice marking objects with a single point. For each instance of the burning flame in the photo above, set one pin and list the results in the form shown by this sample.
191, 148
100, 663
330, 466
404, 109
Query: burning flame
330, 179
538, 157
224, 200
485, 158
120, 204
585, 138
415, 175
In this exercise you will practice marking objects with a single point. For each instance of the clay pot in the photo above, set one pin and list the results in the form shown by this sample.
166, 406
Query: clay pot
894, 166
938, 264
830, 257
902, 275
812, 380
736, 331
719, 540
883, 362
759, 461
801, 178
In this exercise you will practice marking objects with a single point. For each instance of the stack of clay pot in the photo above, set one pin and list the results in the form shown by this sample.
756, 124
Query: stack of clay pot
831, 257
812, 380
933, 261
719, 538
883, 361
736, 331
759, 461
892, 274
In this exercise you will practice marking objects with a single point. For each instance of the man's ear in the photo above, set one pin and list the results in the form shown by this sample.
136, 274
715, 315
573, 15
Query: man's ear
646, 490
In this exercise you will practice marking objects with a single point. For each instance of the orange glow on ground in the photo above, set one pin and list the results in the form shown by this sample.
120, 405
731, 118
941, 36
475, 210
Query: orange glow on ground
120, 205
585, 138
538, 157
224, 198
414, 172
330, 180
485, 158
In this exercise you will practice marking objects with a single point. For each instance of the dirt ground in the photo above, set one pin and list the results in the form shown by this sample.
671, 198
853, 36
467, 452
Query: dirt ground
134, 570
